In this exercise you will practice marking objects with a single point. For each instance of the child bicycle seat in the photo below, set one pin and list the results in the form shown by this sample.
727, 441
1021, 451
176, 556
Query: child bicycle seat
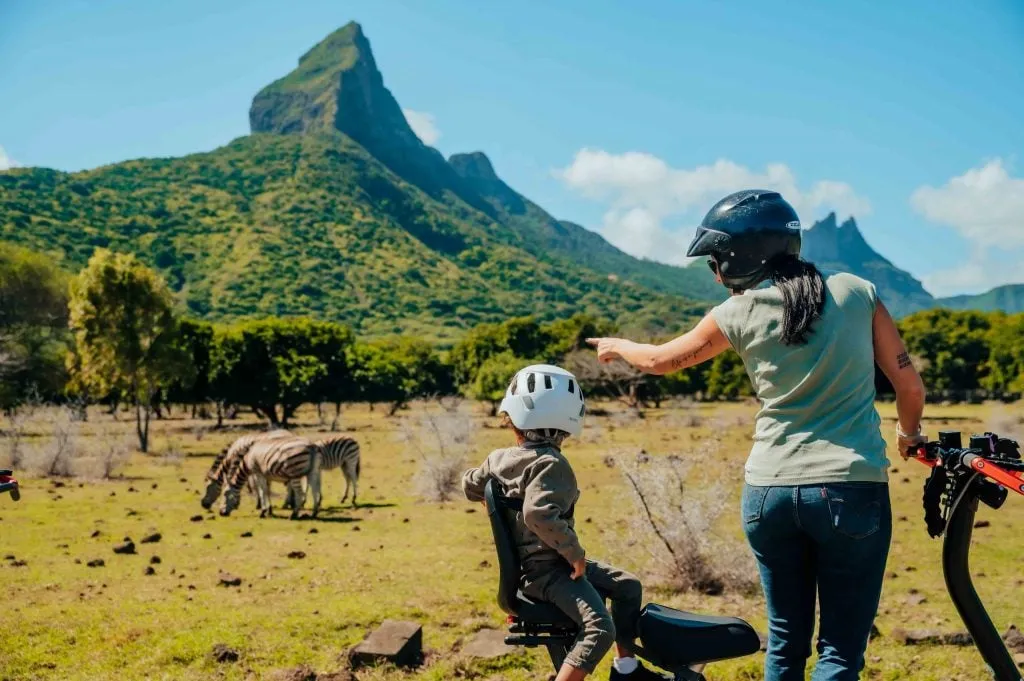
672, 639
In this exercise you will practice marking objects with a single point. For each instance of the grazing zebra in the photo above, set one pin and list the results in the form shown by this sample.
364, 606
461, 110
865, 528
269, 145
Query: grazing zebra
285, 460
338, 451
223, 462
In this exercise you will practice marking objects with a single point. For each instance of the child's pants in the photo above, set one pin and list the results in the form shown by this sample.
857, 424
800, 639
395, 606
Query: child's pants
583, 601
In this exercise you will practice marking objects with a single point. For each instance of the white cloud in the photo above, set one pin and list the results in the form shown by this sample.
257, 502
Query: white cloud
985, 205
424, 125
643, 193
6, 161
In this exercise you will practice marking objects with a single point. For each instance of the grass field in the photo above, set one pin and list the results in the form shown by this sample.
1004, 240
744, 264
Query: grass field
395, 557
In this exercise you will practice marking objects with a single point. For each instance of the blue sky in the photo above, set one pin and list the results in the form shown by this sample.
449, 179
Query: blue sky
629, 121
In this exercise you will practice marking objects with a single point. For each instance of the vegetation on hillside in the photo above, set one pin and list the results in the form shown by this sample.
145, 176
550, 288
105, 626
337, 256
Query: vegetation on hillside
313, 226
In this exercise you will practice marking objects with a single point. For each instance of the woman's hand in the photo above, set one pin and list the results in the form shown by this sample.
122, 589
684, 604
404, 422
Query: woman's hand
908, 443
607, 349
579, 568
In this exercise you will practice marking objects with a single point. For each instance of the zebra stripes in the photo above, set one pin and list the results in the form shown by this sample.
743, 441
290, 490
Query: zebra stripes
286, 460
224, 461
341, 451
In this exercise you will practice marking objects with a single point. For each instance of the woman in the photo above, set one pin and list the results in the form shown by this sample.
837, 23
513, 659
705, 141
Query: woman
816, 501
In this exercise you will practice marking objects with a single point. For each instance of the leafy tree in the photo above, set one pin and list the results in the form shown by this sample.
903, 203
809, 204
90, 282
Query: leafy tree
396, 371
33, 325
953, 345
125, 332
727, 378
195, 339
1004, 369
282, 363
493, 379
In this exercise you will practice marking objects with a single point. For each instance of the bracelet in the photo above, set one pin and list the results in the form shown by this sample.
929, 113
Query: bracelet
900, 433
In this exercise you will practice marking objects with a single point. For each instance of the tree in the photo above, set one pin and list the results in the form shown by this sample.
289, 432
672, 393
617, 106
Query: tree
33, 326
618, 378
121, 315
953, 345
275, 363
396, 371
727, 378
1004, 368
493, 379
195, 339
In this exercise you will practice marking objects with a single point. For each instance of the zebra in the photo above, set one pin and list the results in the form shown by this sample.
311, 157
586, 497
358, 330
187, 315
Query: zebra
341, 451
338, 451
223, 462
285, 460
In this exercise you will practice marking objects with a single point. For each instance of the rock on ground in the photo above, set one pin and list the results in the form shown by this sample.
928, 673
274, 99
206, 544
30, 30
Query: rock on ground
301, 673
487, 644
223, 653
227, 579
916, 637
400, 643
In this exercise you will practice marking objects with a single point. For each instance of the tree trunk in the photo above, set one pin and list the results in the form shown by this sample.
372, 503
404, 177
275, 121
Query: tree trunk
142, 425
220, 414
269, 412
494, 408
337, 416
393, 409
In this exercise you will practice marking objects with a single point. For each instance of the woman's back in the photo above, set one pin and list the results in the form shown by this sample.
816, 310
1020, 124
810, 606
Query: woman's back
818, 421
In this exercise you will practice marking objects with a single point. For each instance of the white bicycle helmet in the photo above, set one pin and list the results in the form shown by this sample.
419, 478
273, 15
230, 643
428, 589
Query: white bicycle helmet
545, 396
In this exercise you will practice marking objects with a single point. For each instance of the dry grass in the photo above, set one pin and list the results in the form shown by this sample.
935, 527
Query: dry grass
441, 441
677, 511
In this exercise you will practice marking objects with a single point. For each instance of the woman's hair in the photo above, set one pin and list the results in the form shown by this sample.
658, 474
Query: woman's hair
803, 296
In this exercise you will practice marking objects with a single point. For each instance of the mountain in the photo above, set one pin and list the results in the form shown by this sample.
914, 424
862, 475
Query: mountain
842, 247
1009, 298
333, 207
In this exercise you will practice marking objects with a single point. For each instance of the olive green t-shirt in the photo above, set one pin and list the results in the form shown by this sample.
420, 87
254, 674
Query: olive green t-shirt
817, 421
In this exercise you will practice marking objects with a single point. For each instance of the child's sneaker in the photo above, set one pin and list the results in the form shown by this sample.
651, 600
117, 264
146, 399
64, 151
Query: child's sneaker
641, 673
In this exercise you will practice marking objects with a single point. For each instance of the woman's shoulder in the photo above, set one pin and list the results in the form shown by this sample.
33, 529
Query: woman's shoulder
847, 279
844, 285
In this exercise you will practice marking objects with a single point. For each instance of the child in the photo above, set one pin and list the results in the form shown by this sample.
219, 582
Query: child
544, 405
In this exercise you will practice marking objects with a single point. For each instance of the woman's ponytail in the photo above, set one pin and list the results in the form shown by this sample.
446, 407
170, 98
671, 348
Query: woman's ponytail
803, 296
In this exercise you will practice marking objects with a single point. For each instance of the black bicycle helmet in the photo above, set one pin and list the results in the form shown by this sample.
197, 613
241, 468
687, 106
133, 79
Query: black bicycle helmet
743, 232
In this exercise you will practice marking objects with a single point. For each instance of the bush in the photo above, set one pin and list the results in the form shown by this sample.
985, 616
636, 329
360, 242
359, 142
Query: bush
674, 523
56, 455
442, 442
104, 455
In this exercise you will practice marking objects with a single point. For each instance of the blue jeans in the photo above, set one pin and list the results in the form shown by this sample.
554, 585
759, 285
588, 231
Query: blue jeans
826, 540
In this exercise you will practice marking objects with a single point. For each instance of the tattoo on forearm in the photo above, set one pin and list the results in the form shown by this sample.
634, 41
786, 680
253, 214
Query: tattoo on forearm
904, 360
685, 359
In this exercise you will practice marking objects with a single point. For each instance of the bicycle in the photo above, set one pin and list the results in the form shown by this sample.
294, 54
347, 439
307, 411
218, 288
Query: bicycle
986, 470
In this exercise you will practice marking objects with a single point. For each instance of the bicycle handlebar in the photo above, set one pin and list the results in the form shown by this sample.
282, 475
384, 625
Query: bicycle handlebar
990, 455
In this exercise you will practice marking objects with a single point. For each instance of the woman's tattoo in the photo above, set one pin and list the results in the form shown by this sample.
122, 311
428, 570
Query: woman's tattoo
679, 361
904, 360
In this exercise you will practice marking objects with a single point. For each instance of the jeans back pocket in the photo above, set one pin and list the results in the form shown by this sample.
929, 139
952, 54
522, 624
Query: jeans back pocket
855, 510
752, 506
